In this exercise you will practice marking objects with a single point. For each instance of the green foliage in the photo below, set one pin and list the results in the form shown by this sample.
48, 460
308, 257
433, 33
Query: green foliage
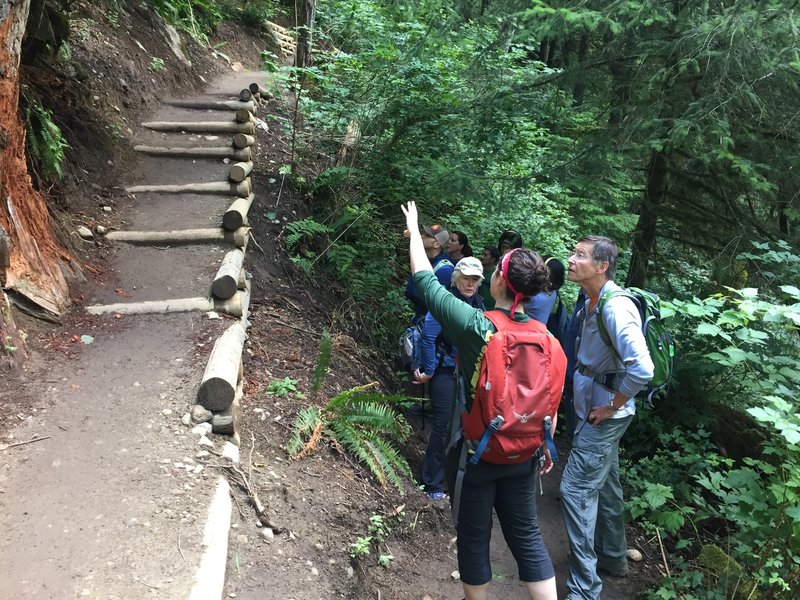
379, 530
362, 422
740, 352
283, 387
198, 18
156, 64
45, 140
320, 371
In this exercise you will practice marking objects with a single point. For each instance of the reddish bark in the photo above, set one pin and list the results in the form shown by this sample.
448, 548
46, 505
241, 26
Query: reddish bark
33, 263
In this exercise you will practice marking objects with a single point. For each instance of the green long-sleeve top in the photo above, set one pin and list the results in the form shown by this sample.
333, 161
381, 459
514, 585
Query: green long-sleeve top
463, 325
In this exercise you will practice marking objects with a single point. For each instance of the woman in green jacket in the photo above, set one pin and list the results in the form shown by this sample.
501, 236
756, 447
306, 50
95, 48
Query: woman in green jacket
509, 490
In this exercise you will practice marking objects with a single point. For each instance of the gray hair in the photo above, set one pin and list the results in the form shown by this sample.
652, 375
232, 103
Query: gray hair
603, 250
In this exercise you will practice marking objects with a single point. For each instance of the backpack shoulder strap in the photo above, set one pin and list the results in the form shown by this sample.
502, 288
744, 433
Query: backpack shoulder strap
601, 323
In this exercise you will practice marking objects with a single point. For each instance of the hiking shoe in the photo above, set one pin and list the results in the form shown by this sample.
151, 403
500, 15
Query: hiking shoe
436, 495
615, 568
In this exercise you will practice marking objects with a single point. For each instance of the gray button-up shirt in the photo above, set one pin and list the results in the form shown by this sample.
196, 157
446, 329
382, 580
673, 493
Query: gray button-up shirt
635, 368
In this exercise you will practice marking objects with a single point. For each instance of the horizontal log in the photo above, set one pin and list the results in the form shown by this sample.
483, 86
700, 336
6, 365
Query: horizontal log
226, 281
240, 171
237, 238
222, 187
202, 126
218, 386
212, 104
231, 306
236, 215
199, 151
242, 140
256, 89
245, 116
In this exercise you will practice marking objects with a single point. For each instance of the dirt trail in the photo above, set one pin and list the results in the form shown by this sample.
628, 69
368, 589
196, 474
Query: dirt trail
110, 505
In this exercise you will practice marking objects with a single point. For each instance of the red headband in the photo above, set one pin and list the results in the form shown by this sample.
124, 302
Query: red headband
504, 272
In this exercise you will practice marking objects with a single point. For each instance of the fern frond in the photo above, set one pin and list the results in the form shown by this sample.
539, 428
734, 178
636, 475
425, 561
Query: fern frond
306, 423
377, 417
320, 371
354, 442
308, 227
347, 396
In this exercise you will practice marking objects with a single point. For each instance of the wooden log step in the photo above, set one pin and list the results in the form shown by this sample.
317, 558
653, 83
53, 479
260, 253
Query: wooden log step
226, 422
259, 92
243, 154
245, 95
237, 238
222, 187
212, 104
202, 126
231, 306
245, 116
242, 140
236, 215
226, 281
240, 171
221, 377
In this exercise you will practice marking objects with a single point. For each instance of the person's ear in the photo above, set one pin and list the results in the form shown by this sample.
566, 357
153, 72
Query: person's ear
602, 267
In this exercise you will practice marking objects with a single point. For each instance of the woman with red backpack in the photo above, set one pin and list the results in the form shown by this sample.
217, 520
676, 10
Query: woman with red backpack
512, 373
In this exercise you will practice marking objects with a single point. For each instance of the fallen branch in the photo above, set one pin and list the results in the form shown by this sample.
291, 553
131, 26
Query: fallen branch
7, 446
244, 484
663, 554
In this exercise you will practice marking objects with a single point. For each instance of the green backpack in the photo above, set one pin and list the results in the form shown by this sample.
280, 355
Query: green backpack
659, 340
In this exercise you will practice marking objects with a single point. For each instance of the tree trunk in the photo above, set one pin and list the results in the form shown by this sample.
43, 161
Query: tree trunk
644, 236
305, 31
34, 254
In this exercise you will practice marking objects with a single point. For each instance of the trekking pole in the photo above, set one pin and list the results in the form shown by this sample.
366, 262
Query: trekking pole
541, 461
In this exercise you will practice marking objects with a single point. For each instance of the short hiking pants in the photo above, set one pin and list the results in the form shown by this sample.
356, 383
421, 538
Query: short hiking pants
510, 491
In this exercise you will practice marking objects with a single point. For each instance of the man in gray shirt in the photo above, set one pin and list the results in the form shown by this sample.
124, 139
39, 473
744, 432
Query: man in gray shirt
605, 381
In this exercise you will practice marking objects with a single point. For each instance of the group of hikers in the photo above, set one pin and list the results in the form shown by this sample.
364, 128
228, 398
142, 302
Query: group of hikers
495, 372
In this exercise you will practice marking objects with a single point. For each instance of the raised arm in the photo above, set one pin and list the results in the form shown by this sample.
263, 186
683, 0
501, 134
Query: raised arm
419, 260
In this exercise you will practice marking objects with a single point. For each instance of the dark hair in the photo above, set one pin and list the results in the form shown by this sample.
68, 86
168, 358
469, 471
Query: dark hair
510, 237
493, 252
556, 268
466, 249
603, 249
527, 273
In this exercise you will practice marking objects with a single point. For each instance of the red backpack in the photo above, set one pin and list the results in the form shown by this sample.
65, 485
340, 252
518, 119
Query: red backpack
517, 388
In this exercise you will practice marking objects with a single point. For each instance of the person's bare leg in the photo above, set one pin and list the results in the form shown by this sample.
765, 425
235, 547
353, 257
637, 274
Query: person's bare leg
478, 592
542, 590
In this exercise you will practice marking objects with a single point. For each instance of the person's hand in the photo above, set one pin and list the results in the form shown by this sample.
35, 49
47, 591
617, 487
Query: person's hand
420, 377
412, 219
600, 413
547, 465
